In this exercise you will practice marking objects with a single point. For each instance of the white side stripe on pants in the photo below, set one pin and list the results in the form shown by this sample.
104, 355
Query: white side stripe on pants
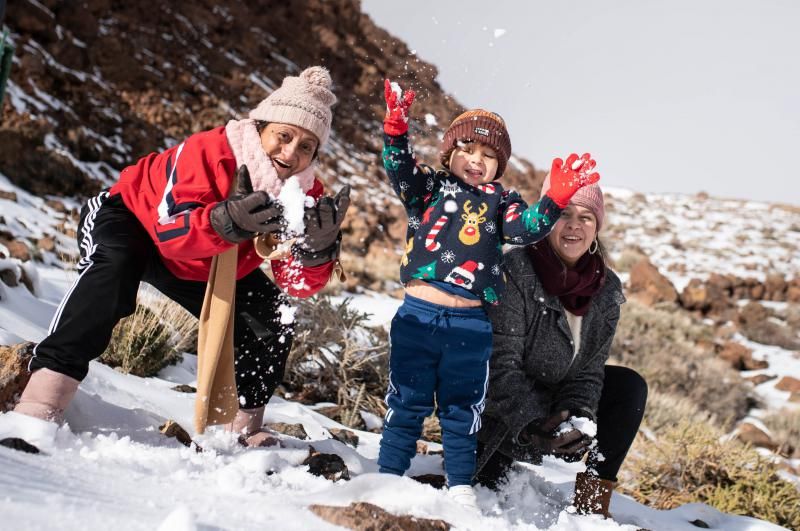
88, 245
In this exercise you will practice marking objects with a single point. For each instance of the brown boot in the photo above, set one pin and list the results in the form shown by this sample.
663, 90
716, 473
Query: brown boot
47, 395
592, 494
248, 424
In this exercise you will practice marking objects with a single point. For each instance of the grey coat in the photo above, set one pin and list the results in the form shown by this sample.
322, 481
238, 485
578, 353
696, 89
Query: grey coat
532, 372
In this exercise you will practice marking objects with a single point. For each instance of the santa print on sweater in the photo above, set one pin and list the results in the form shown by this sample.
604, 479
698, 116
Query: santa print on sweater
456, 231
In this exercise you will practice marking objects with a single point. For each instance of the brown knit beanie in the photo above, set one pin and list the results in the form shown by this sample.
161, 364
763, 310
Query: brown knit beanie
304, 101
591, 197
481, 126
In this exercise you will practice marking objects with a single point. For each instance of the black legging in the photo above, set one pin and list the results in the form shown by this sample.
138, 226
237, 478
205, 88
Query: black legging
619, 414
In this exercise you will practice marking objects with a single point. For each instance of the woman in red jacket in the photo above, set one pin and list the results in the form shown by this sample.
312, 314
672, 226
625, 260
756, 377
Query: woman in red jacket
170, 214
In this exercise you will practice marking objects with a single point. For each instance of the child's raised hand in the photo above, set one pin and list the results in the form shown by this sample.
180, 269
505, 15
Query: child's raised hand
397, 104
568, 177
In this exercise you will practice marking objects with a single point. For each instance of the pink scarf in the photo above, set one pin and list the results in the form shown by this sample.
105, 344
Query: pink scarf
246, 145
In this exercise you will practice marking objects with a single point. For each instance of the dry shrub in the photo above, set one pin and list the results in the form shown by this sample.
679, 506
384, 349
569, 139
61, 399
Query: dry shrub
691, 462
629, 257
674, 354
764, 325
667, 410
784, 427
156, 335
336, 357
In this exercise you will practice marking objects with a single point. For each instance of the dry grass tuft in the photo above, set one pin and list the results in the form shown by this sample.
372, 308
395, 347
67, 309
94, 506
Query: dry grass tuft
156, 335
692, 462
784, 426
337, 358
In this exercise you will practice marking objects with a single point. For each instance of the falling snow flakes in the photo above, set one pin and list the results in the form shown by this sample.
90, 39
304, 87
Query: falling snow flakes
499, 32
430, 119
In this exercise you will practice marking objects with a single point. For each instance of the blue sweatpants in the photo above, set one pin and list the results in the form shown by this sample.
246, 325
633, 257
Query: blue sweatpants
443, 352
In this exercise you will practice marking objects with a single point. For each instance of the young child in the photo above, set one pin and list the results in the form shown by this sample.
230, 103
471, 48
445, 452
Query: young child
458, 219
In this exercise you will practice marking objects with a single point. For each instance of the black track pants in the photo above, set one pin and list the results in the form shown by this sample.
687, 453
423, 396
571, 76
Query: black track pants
116, 254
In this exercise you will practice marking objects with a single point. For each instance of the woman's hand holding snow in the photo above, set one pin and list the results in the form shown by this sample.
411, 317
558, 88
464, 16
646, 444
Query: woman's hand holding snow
567, 178
397, 104
246, 213
567, 440
320, 244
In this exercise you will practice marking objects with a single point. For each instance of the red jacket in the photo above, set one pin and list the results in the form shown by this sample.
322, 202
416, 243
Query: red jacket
172, 193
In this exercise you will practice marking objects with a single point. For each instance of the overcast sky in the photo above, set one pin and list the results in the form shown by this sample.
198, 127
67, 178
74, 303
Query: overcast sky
669, 96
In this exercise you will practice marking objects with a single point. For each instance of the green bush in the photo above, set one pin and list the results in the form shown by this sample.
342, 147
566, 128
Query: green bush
693, 462
156, 335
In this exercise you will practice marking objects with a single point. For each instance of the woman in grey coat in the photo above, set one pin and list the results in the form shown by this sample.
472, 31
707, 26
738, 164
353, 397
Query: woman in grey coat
550, 390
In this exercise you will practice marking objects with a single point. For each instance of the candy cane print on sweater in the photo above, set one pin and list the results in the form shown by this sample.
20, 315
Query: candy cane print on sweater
430, 244
486, 188
511, 213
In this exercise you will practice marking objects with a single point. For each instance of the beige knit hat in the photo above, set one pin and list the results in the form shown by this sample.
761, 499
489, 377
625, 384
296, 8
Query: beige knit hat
304, 101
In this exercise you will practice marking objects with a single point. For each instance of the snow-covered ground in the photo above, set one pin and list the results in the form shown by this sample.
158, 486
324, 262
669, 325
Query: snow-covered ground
111, 468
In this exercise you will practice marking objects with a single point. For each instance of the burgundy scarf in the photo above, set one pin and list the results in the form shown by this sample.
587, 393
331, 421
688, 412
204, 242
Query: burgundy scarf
574, 286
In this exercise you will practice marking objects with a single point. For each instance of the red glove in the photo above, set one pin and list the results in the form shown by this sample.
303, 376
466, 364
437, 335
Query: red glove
396, 121
567, 178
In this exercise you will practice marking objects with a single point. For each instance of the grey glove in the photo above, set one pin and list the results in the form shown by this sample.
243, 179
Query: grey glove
322, 236
246, 213
541, 435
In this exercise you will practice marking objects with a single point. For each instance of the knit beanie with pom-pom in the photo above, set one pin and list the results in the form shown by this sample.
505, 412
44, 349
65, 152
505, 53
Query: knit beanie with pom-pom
304, 101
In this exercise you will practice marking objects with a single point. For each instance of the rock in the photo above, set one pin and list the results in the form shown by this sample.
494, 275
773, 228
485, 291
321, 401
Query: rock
649, 286
437, 481
14, 373
9, 278
173, 429
56, 205
748, 433
711, 296
362, 516
19, 250
184, 388
11, 196
47, 243
775, 287
422, 447
740, 357
329, 466
788, 383
292, 430
15, 443
794, 398
758, 379
344, 436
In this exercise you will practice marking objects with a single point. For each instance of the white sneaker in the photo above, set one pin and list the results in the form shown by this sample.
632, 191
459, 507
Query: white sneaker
464, 495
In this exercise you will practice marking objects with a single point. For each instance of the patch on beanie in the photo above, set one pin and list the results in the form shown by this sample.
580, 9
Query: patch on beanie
481, 131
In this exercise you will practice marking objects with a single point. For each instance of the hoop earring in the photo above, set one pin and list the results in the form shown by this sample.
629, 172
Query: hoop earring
596, 245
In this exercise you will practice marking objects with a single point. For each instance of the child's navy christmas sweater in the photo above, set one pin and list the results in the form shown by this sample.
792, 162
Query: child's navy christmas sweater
456, 231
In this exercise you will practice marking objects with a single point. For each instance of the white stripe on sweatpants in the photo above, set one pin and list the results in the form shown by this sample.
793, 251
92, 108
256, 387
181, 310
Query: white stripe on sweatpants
88, 245
478, 408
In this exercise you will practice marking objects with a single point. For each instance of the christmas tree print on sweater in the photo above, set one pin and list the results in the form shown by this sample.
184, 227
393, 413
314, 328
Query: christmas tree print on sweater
456, 231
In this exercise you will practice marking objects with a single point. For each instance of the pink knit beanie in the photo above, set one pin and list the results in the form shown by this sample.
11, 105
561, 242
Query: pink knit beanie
304, 101
591, 197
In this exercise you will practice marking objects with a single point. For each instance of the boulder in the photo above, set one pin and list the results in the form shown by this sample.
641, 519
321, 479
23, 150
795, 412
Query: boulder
755, 436
363, 516
649, 286
788, 383
740, 357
